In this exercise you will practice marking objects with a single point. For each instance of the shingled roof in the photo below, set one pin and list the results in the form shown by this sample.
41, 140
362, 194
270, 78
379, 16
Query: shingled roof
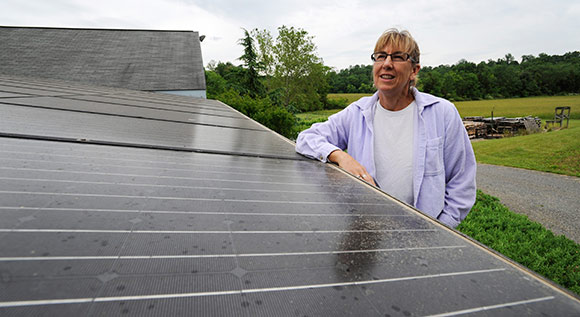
147, 60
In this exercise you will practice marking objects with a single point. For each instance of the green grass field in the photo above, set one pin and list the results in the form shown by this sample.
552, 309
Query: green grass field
554, 152
349, 97
542, 107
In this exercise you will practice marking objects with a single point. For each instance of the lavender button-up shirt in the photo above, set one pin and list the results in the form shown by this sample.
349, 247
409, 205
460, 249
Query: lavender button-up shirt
443, 161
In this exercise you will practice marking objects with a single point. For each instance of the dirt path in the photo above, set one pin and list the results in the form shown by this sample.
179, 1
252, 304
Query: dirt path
550, 199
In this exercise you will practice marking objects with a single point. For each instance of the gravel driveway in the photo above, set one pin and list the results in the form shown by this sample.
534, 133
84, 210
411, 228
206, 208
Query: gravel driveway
550, 199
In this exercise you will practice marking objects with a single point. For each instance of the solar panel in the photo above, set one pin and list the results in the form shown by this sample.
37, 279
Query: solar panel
106, 212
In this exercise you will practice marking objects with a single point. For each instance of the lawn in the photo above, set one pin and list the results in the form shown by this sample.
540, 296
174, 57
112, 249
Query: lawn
554, 152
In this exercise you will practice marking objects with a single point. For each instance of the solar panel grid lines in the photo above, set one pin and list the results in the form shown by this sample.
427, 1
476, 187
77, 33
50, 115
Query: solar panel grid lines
163, 186
102, 91
151, 100
277, 214
91, 103
291, 183
39, 85
145, 157
103, 177
134, 132
208, 109
146, 165
69, 90
120, 229
210, 120
250, 153
164, 169
7, 95
28, 92
23, 157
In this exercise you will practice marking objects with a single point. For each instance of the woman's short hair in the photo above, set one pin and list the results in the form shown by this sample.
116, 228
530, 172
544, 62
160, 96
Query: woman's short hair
401, 40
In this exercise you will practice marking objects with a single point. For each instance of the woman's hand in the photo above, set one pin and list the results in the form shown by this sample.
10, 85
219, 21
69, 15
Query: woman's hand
349, 164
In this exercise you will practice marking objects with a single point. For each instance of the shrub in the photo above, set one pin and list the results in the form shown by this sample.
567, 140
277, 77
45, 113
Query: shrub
336, 103
262, 110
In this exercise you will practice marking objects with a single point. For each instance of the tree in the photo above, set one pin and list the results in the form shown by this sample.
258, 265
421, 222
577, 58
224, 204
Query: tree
215, 84
250, 59
508, 80
468, 87
510, 59
450, 82
430, 82
233, 75
358, 76
298, 75
264, 51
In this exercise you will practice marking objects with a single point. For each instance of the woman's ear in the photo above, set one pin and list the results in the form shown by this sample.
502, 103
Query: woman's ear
415, 71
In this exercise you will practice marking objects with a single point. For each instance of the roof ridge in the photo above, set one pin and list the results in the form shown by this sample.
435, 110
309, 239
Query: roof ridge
95, 29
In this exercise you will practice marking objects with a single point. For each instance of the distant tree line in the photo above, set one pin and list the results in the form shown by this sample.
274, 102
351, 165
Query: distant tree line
355, 79
502, 78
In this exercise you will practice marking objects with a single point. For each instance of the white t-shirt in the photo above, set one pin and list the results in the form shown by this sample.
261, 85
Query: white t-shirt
393, 145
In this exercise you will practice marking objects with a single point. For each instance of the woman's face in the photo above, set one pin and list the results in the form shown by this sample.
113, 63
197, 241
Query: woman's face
391, 77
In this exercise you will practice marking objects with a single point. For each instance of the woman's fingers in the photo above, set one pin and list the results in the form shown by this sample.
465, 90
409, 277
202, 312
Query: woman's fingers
349, 164
367, 178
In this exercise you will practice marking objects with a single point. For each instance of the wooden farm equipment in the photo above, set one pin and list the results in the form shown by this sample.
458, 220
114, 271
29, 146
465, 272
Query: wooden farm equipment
496, 127
560, 114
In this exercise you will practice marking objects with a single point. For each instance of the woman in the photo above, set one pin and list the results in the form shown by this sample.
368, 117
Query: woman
410, 144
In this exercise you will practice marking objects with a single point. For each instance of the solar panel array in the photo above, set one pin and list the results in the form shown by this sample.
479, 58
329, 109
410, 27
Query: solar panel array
117, 202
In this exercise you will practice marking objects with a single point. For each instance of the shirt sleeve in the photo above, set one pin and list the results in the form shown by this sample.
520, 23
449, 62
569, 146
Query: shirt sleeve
460, 172
322, 138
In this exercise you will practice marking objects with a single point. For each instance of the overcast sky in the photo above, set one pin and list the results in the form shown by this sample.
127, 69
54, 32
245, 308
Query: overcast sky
344, 31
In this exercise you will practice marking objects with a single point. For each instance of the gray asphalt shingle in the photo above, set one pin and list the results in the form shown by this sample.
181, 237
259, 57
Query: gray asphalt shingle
133, 59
